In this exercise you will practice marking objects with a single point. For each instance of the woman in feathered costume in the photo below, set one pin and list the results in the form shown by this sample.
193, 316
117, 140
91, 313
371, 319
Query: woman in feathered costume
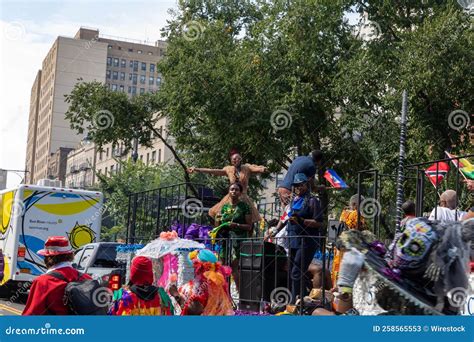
207, 294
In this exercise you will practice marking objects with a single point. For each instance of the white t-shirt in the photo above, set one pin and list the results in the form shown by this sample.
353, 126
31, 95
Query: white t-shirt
446, 215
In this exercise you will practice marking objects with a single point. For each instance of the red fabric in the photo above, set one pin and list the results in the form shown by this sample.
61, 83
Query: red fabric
436, 178
55, 241
141, 271
46, 293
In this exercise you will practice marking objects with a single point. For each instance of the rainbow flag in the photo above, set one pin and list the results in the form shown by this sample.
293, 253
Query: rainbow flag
464, 166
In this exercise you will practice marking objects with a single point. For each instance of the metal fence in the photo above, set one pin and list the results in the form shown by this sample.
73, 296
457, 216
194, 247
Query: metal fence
426, 196
154, 211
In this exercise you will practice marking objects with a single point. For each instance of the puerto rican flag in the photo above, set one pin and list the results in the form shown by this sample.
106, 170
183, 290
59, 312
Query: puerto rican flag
333, 178
443, 169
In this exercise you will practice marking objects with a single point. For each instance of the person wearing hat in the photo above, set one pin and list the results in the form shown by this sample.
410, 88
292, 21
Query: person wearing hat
140, 297
305, 226
237, 173
47, 292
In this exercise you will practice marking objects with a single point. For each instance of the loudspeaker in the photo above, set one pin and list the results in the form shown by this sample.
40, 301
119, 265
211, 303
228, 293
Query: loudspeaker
263, 267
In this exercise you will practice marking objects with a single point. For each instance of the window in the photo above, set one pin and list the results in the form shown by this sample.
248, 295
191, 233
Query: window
159, 155
108, 73
116, 62
129, 89
109, 47
134, 90
105, 171
152, 67
143, 66
141, 157
151, 81
150, 53
100, 155
131, 64
135, 65
142, 79
158, 81
86, 256
139, 51
109, 61
130, 77
134, 79
107, 152
142, 91
115, 75
147, 158
119, 47
123, 63
122, 89
111, 169
122, 76
153, 156
114, 87
130, 50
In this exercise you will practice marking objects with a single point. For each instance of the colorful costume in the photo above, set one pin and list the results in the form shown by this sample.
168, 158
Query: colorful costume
349, 220
426, 270
141, 298
242, 176
233, 214
209, 287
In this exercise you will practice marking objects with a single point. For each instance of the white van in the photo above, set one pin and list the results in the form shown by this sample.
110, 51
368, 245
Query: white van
30, 214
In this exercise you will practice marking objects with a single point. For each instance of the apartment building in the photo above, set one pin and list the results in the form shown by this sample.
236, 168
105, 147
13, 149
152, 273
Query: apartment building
122, 64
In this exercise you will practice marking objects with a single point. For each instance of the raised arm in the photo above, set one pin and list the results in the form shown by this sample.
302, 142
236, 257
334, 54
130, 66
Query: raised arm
214, 172
257, 168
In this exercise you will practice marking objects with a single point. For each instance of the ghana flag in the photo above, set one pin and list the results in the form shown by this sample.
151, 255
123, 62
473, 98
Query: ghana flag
466, 168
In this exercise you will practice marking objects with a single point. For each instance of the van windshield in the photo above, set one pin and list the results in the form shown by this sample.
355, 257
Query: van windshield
107, 257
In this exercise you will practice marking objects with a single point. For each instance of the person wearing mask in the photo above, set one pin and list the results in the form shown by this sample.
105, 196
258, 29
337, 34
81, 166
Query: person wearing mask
47, 291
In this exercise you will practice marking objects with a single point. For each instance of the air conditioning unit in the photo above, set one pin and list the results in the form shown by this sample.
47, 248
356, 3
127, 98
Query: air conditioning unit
54, 183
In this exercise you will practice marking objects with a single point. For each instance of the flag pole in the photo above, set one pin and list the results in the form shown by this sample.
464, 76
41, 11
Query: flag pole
401, 161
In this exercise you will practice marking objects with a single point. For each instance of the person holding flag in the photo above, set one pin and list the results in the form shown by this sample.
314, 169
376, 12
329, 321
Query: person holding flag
305, 228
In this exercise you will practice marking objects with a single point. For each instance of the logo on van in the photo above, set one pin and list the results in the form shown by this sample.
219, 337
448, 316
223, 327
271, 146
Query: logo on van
80, 235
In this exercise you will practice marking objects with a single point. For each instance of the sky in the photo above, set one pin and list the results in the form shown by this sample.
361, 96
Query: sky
27, 32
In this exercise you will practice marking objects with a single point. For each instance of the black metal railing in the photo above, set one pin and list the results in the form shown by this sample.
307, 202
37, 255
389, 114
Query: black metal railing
151, 212
415, 177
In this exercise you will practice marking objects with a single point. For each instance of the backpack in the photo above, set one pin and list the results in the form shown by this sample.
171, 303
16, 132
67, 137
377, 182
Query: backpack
85, 297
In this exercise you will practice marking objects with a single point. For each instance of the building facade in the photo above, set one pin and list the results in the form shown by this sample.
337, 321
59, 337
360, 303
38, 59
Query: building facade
123, 65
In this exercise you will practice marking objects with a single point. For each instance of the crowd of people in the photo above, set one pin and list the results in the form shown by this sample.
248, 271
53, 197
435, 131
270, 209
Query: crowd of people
420, 243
